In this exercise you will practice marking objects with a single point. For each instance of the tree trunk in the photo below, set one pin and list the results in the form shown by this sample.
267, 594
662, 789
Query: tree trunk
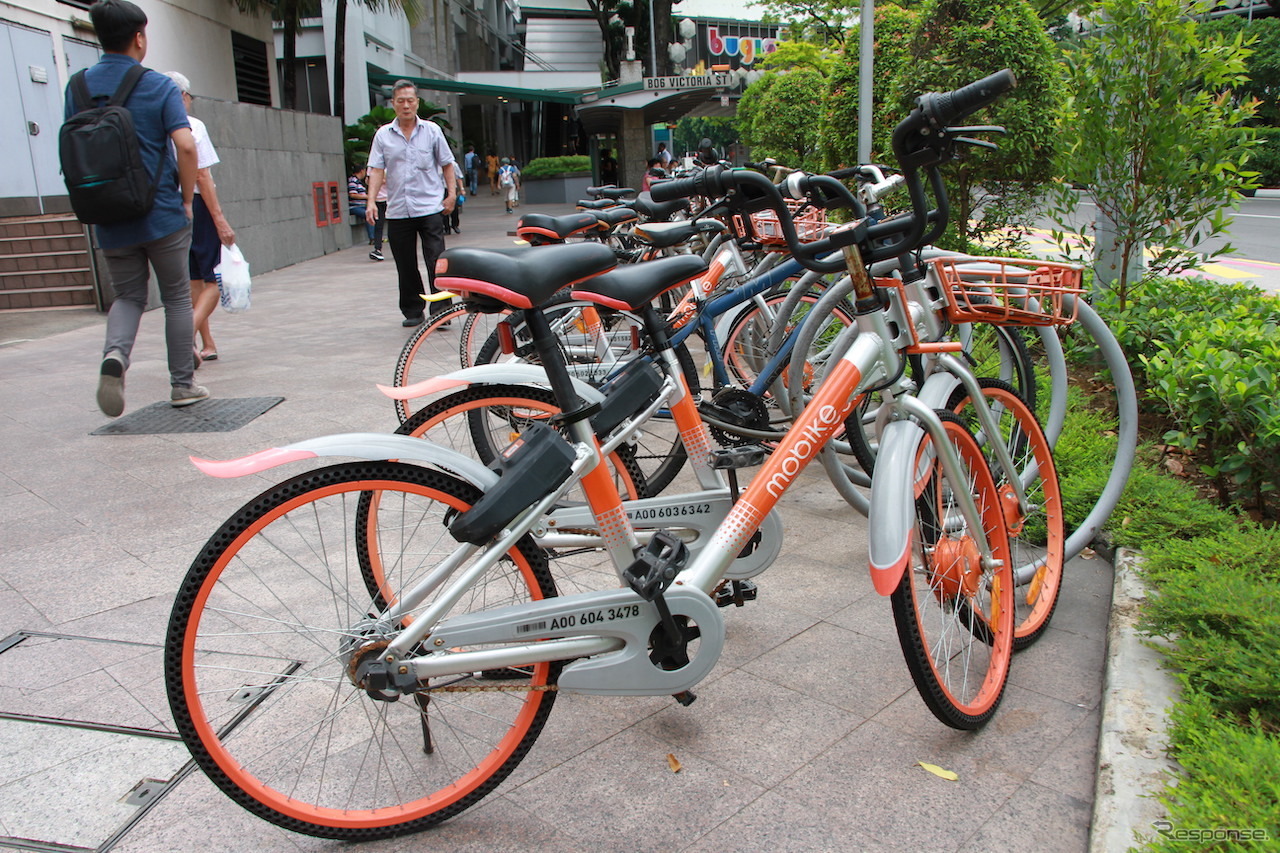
665, 33
290, 82
339, 60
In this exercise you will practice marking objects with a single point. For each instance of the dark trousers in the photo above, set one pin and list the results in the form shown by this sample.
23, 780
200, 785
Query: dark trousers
402, 235
376, 236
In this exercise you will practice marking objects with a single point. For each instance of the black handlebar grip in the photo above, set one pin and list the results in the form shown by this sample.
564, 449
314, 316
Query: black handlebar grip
951, 106
672, 190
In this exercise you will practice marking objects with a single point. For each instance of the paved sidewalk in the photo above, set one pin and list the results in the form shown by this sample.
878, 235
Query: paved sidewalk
806, 736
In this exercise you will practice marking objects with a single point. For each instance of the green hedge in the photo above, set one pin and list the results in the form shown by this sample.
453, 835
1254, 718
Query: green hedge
1214, 575
1214, 371
551, 167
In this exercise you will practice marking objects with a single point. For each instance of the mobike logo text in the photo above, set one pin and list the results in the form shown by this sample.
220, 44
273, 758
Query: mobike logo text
746, 47
811, 435
703, 286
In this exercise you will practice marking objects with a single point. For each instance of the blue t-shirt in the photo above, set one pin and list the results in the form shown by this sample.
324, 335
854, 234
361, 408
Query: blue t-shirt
156, 104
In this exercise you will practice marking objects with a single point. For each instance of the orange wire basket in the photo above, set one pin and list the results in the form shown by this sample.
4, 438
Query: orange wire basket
1008, 292
810, 225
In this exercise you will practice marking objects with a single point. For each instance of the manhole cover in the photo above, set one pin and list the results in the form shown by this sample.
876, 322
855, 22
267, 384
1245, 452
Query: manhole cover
213, 415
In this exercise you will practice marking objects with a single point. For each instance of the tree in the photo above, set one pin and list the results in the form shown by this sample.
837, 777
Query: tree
1262, 66
821, 21
1154, 130
689, 133
290, 13
779, 116
409, 8
956, 42
613, 16
801, 54
839, 137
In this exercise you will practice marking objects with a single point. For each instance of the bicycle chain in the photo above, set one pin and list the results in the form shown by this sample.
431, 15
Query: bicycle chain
494, 688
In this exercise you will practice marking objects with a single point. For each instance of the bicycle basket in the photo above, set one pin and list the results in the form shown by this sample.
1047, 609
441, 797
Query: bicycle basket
809, 224
1008, 292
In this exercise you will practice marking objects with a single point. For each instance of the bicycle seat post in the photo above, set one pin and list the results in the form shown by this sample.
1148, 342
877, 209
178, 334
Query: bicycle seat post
544, 341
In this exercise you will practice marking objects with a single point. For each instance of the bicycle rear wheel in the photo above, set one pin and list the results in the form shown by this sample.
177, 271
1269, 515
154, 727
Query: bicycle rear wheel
260, 647
954, 613
1037, 536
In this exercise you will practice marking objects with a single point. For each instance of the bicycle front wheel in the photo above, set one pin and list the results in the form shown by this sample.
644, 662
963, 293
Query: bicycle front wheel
258, 656
437, 346
954, 611
1037, 533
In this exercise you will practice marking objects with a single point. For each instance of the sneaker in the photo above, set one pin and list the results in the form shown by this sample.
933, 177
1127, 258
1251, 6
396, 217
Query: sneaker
111, 385
185, 395
413, 321
376, 255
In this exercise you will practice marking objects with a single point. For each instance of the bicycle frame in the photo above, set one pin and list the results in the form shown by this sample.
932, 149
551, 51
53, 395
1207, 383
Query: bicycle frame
568, 627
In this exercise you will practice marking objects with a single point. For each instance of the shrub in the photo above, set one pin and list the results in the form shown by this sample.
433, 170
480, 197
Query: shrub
1265, 158
1156, 508
550, 167
1213, 370
1228, 781
1220, 598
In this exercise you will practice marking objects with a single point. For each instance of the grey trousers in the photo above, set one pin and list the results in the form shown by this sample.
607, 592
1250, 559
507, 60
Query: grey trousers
129, 277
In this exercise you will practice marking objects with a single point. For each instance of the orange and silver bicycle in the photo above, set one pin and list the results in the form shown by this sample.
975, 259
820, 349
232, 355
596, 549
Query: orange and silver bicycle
371, 647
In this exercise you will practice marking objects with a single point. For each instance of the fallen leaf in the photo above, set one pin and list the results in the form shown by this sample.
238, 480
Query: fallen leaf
939, 772
1174, 466
1127, 521
673, 763
1088, 554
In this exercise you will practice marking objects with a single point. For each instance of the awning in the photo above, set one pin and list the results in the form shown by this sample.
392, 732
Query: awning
601, 111
510, 93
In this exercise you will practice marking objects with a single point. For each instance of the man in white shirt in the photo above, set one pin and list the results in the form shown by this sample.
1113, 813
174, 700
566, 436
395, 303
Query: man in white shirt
663, 155
410, 156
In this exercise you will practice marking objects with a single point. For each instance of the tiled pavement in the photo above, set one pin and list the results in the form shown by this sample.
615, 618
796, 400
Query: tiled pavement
806, 736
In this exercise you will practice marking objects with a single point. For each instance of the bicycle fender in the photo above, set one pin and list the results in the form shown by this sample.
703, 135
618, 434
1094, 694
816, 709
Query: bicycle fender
372, 446
893, 510
487, 374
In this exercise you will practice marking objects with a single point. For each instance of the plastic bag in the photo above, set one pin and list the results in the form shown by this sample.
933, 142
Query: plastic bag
234, 284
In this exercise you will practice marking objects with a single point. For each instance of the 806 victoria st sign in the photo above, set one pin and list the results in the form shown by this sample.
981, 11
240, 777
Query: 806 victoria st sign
693, 81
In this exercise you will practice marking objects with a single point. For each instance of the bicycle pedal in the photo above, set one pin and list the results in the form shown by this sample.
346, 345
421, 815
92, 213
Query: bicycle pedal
733, 458
684, 697
735, 592
656, 565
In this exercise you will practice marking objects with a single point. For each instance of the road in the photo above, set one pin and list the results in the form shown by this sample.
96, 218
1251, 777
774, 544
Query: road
1254, 233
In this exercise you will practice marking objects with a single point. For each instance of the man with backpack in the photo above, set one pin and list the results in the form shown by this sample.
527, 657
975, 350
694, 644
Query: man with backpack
133, 232
471, 163
509, 183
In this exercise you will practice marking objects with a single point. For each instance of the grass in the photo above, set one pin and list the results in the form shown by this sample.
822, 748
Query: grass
1214, 580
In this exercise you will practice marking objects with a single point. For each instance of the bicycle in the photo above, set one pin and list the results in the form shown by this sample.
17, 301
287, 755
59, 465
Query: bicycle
286, 659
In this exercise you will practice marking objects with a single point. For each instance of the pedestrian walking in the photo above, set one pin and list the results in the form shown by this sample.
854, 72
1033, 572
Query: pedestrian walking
471, 165
161, 237
412, 159
509, 182
210, 230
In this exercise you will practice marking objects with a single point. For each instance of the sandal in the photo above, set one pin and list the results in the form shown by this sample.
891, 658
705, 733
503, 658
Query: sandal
209, 356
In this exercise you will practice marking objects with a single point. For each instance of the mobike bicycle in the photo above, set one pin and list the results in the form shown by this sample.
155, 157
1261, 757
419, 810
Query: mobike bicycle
370, 648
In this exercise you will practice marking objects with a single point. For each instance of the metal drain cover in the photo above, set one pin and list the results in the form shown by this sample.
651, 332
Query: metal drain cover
213, 415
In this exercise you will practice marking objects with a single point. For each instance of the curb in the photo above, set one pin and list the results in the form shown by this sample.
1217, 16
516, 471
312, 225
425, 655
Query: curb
1136, 697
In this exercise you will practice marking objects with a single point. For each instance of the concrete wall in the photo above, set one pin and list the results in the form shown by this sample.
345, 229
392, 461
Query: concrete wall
269, 160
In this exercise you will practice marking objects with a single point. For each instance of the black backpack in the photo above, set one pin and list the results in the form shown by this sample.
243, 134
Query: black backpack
101, 160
